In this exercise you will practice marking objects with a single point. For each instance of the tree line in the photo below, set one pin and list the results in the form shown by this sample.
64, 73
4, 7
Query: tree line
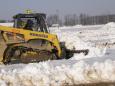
83, 19
73, 19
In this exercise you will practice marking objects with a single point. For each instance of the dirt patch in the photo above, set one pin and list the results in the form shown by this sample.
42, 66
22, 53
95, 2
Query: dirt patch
94, 84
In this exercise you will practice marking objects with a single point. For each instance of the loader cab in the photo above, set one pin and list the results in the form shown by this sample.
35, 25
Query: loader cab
34, 22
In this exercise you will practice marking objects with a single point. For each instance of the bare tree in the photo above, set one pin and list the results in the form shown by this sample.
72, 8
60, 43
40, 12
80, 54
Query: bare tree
70, 20
54, 19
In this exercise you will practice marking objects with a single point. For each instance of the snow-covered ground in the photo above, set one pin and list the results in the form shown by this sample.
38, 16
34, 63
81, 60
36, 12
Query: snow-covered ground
97, 66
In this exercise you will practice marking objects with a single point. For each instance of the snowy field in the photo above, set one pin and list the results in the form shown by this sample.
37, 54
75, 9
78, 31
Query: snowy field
97, 66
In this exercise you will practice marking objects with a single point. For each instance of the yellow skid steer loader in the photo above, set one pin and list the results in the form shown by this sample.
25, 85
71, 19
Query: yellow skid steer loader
30, 41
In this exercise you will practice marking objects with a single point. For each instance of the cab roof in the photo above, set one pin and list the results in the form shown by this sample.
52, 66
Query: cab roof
32, 15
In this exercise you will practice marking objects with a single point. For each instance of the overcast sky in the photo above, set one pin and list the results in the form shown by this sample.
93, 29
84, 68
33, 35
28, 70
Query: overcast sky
92, 7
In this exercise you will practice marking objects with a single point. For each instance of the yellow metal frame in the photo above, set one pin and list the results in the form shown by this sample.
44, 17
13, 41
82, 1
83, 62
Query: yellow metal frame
33, 35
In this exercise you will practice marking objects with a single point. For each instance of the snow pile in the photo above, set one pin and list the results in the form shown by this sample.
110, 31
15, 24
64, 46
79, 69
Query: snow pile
109, 30
72, 41
110, 25
45, 74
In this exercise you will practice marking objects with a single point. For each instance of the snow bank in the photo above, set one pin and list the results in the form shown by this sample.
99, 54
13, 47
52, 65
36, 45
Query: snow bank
7, 24
85, 27
68, 27
45, 74
51, 74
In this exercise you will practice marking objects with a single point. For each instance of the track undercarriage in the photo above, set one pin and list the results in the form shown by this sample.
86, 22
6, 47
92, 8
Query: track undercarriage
23, 54
26, 53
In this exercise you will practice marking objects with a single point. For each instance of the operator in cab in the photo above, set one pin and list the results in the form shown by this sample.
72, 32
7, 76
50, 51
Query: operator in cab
29, 25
